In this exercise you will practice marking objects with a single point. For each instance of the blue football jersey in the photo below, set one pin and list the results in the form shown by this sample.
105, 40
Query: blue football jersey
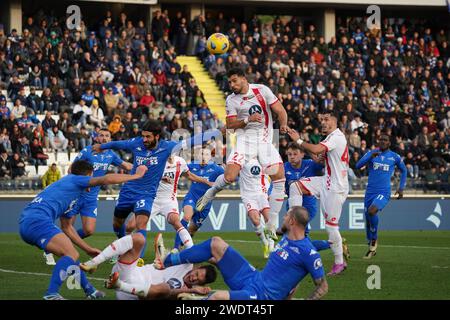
57, 198
291, 261
100, 162
381, 168
209, 171
308, 168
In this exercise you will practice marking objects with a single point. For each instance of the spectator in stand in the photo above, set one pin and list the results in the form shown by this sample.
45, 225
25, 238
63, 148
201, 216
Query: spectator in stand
17, 166
56, 139
52, 175
38, 156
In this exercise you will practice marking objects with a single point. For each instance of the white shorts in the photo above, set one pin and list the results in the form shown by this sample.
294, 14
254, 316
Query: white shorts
131, 273
256, 203
330, 202
164, 207
265, 152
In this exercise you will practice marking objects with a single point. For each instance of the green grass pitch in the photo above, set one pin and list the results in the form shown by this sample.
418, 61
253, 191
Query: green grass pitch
413, 265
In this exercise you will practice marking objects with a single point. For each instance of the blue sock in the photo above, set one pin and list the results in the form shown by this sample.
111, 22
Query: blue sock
368, 234
321, 244
373, 226
198, 253
88, 288
120, 232
60, 268
177, 243
144, 233
81, 233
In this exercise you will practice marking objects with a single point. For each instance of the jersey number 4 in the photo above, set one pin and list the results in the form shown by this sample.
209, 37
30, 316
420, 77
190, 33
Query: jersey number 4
344, 156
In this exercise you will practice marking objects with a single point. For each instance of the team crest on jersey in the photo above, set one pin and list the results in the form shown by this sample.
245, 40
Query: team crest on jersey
174, 283
254, 109
317, 263
255, 170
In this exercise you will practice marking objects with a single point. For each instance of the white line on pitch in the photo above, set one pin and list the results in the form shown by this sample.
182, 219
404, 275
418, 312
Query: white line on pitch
40, 274
360, 245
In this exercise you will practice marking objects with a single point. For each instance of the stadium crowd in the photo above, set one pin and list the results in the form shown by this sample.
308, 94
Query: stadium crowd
120, 72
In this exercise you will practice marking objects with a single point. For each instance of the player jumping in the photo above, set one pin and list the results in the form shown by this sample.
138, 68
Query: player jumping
249, 112
381, 163
293, 258
37, 223
331, 189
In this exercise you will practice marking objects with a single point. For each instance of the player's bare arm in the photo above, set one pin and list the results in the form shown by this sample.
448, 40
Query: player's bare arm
163, 291
320, 290
279, 110
195, 178
69, 230
234, 123
116, 178
126, 166
309, 147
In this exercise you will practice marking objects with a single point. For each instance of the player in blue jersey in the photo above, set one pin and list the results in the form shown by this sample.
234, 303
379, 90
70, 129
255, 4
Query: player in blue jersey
293, 258
297, 168
381, 164
138, 196
87, 205
37, 223
207, 170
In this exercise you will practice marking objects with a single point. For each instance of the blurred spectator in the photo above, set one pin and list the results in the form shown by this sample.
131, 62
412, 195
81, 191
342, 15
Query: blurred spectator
56, 139
53, 174
17, 166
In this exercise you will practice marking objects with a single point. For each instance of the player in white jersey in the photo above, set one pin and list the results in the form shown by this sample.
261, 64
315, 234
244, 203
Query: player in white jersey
132, 282
331, 189
166, 202
254, 187
249, 112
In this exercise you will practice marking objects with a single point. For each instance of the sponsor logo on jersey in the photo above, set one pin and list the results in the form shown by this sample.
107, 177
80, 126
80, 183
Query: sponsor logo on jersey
254, 109
312, 252
148, 161
317, 263
255, 170
174, 283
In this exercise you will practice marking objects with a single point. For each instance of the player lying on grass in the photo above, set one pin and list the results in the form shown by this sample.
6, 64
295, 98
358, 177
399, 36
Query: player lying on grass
294, 257
37, 223
381, 163
207, 169
132, 282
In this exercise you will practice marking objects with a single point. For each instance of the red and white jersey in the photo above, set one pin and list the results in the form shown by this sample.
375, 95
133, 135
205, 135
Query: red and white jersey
258, 99
336, 162
252, 182
172, 172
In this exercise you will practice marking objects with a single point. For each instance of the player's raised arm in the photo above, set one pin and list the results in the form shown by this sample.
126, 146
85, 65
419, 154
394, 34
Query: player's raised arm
127, 145
195, 178
309, 147
197, 139
320, 290
403, 174
117, 178
366, 158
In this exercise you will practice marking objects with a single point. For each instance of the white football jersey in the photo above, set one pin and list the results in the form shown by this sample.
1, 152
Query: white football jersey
252, 182
172, 171
336, 162
258, 99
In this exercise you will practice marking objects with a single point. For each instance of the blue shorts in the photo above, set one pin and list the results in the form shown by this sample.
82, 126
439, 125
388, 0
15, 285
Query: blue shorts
38, 231
138, 204
376, 199
240, 276
84, 207
199, 216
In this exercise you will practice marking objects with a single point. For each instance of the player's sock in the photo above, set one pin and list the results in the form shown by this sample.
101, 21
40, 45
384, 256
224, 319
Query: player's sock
295, 195
368, 233
276, 200
177, 236
121, 231
144, 233
198, 253
81, 233
218, 186
321, 244
185, 237
138, 289
61, 268
117, 248
88, 288
335, 238
259, 230
373, 226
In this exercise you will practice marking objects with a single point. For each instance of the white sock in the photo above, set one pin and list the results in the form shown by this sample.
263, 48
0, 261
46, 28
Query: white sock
138, 289
295, 195
117, 248
276, 200
259, 230
334, 236
218, 186
185, 237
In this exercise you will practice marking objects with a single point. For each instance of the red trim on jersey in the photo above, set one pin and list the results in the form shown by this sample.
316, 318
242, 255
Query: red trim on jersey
300, 190
270, 105
262, 102
177, 177
232, 116
328, 166
324, 145
128, 263
332, 224
274, 164
263, 184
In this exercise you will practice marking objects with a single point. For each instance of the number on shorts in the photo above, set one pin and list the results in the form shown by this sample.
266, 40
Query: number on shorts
344, 156
380, 197
140, 204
